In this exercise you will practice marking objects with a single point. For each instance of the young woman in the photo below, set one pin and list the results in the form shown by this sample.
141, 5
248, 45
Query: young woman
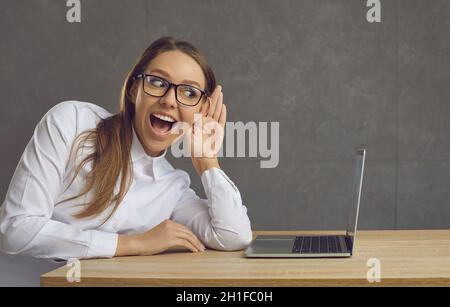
92, 184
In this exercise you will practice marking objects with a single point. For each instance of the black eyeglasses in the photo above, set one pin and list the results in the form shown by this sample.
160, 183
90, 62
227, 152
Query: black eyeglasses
185, 94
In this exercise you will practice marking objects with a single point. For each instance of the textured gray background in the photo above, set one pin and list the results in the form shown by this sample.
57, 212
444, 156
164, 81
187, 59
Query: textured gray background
332, 80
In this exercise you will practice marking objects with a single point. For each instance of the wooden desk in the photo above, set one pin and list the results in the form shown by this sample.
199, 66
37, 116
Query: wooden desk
411, 258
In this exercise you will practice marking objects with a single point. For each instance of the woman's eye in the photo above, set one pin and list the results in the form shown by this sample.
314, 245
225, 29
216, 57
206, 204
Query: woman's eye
190, 93
156, 82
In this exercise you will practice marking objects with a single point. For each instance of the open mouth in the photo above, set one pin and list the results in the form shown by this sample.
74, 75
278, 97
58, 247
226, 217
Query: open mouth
161, 123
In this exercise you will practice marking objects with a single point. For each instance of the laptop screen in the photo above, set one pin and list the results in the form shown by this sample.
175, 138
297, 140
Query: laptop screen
356, 196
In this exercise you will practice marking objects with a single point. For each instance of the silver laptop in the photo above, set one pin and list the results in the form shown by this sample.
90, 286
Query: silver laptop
316, 246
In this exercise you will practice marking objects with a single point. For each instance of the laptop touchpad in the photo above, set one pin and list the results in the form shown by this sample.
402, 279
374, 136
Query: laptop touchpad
280, 245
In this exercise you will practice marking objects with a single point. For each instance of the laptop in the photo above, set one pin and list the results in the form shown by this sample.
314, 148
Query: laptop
315, 246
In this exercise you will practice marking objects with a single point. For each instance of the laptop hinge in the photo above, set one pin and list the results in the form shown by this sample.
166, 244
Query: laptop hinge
348, 243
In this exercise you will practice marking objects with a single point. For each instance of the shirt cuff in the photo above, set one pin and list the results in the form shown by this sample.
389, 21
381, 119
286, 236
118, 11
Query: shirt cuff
102, 245
215, 176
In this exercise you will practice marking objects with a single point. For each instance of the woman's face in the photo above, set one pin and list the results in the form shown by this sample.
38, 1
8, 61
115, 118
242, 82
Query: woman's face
154, 133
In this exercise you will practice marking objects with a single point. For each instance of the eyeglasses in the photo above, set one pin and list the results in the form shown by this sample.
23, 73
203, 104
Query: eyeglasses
185, 94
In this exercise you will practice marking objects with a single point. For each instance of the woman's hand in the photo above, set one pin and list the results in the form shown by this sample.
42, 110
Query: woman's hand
207, 132
160, 238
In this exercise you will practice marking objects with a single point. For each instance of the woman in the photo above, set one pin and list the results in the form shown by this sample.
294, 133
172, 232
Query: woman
91, 184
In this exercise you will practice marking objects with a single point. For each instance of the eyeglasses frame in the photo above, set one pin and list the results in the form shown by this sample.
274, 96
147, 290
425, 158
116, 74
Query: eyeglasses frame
144, 76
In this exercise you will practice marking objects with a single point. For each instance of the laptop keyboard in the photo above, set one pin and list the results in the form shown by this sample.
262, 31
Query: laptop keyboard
317, 245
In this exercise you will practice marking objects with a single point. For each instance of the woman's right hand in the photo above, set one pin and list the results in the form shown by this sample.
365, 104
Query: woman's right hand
166, 235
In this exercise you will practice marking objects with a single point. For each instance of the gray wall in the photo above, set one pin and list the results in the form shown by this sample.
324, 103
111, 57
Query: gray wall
332, 80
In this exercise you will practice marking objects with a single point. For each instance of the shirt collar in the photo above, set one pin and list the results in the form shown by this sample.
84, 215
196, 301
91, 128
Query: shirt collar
157, 166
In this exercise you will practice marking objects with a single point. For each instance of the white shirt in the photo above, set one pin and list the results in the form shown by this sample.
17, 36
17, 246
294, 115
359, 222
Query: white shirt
31, 224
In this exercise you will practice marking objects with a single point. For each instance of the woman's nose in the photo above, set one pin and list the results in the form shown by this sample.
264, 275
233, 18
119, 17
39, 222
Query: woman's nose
169, 99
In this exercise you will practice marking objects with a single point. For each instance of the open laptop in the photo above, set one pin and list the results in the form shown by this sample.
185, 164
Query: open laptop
315, 246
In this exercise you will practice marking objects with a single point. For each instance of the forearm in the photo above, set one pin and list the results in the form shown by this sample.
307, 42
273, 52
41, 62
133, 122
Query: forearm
53, 239
228, 216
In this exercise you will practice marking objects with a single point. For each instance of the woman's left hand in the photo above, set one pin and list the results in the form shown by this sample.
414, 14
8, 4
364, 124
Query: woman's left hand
207, 132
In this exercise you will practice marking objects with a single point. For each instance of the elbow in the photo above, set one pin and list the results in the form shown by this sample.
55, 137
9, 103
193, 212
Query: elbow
7, 245
233, 240
240, 242
13, 239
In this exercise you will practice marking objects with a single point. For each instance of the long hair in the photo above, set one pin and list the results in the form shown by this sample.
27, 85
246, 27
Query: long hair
112, 137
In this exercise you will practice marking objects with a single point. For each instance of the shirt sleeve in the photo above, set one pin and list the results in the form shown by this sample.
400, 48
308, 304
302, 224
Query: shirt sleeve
26, 225
221, 220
